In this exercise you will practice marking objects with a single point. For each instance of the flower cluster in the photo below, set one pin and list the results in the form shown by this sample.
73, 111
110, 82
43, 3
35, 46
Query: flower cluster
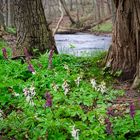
93, 83
77, 81
28, 60
66, 67
16, 94
50, 58
48, 100
75, 133
1, 114
4, 52
29, 94
108, 126
132, 110
31, 68
55, 87
66, 87
98, 87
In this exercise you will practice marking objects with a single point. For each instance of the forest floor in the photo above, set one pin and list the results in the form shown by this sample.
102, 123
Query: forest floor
78, 107
130, 94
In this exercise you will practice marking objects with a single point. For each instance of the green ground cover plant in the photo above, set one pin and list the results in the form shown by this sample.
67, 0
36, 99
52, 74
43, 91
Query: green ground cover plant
103, 28
69, 101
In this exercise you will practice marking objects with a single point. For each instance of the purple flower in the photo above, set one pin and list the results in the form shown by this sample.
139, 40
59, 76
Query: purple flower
132, 109
50, 58
30, 68
48, 100
110, 112
4, 51
108, 126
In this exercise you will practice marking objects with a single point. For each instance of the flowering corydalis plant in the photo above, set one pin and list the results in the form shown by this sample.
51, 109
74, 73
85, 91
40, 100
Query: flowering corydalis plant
4, 52
50, 58
29, 93
98, 87
93, 83
1, 114
132, 111
108, 126
102, 87
110, 112
65, 87
55, 87
75, 133
31, 68
48, 100
77, 81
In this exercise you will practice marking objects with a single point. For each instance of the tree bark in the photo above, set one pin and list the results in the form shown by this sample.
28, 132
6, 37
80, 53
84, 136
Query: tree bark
124, 54
33, 32
2, 24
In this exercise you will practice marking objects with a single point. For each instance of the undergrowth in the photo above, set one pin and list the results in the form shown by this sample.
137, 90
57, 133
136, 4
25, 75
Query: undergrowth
66, 102
104, 27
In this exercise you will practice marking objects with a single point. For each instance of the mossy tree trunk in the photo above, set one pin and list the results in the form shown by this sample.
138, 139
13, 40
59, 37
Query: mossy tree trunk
33, 32
124, 54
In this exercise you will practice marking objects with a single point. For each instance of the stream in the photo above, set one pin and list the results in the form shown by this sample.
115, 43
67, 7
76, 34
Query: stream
82, 44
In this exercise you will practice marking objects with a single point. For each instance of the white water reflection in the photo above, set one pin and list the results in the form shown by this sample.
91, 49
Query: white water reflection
81, 44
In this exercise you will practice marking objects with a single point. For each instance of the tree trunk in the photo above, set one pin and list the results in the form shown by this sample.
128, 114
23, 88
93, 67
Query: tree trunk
2, 24
10, 11
124, 54
67, 11
33, 32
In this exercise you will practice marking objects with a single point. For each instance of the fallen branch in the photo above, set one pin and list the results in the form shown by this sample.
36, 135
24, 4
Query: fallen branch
74, 30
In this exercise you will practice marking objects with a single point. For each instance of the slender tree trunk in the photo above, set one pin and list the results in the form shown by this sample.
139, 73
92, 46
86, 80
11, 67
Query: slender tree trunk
67, 11
71, 5
124, 53
33, 32
77, 11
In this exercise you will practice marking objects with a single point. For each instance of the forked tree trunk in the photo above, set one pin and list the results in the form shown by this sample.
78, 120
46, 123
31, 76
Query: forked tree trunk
33, 32
124, 54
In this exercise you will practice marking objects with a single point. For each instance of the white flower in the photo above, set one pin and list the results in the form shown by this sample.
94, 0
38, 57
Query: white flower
1, 114
26, 91
75, 133
34, 73
55, 87
32, 90
77, 81
66, 67
102, 87
29, 94
93, 83
16, 94
65, 87
31, 103
28, 98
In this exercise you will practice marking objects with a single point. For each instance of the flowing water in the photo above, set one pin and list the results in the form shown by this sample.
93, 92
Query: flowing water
81, 44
